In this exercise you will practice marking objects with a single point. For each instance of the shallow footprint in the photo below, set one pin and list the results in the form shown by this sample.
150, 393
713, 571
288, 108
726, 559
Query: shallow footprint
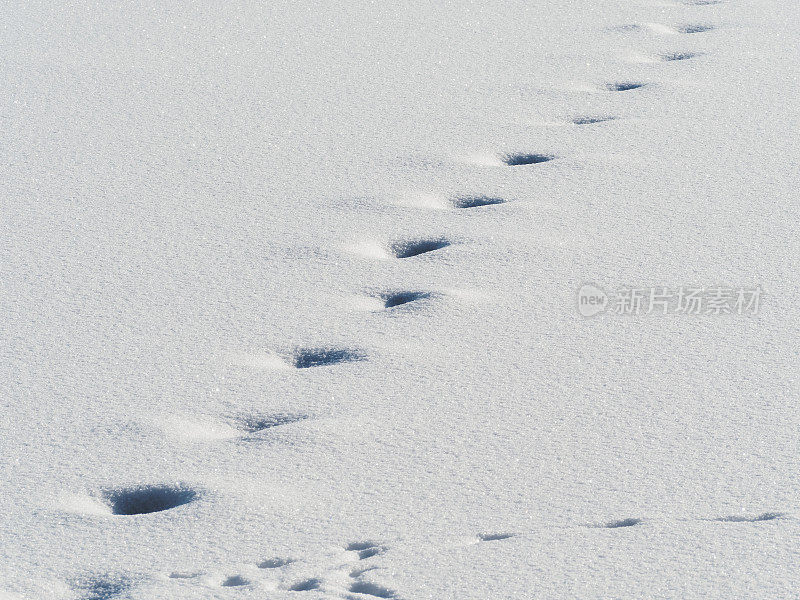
306, 585
591, 120
630, 522
275, 563
359, 572
767, 516
494, 537
627, 28
624, 86
185, 575
678, 56
256, 424
695, 28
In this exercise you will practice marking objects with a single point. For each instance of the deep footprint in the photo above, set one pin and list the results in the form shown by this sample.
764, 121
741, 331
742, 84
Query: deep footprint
417, 247
475, 201
371, 589
624, 86
320, 357
148, 499
516, 160
400, 298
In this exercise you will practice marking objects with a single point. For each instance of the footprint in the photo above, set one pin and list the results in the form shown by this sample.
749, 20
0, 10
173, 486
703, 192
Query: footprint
696, 28
475, 201
275, 563
359, 572
365, 549
371, 589
306, 585
767, 516
256, 424
494, 537
627, 28
147, 499
103, 587
591, 120
307, 358
678, 56
394, 299
235, 581
410, 248
630, 522
184, 575
624, 86
516, 160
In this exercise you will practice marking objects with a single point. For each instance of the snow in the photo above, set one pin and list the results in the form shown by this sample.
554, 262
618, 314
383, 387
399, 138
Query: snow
259, 342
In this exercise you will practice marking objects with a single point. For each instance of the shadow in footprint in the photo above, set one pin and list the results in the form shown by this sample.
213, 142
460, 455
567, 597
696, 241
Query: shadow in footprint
679, 56
591, 120
392, 300
767, 516
102, 588
365, 549
275, 563
475, 201
623, 523
627, 28
697, 28
516, 160
359, 572
235, 581
371, 589
148, 499
307, 358
256, 424
411, 248
306, 585
624, 86
494, 537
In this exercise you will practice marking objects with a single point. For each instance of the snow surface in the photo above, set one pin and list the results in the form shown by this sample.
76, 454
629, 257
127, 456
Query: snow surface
281, 318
